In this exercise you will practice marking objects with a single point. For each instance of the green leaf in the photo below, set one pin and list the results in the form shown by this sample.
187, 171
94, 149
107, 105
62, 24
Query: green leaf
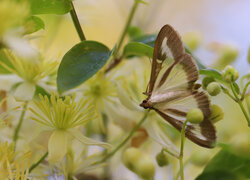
33, 24
146, 39
134, 31
212, 73
230, 164
42, 91
218, 175
137, 49
80, 63
50, 6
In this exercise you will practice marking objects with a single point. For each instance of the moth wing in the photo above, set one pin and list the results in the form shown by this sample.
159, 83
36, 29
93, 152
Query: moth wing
168, 45
175, 112
175, 79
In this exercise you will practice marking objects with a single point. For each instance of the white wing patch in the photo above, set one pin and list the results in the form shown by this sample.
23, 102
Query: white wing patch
165, 50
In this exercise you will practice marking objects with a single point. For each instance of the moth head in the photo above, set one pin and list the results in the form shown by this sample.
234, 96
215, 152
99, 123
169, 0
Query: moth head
146, 104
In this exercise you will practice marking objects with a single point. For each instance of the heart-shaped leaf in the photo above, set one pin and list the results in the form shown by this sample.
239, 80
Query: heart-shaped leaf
80, 63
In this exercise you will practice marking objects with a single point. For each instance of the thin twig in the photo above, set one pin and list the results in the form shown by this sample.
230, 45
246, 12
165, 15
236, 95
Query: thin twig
77, 23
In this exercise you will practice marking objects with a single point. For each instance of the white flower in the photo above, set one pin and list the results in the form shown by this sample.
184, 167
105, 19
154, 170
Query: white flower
62, 116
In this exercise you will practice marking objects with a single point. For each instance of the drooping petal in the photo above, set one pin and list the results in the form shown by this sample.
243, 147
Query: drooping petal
157, 133
57, 146
8, 80
85, 140
25, 91
126, 100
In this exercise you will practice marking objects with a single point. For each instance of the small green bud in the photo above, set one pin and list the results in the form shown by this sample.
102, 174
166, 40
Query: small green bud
134, 31
192, 40
206, 81
230, 74
241, 144
195, 116
213, 89
228, 56
145, 168
162, 159
130, 156
217, 114
200, 158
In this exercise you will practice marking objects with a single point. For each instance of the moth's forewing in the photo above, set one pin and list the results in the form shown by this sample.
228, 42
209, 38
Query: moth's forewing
172, 90
168, 44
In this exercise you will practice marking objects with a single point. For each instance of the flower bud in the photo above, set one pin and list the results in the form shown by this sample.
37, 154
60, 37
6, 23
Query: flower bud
241, 144
162, 159
200, 158
228, 55
138, 162
192, 40
230, 74
145, 168
195, 116
206, 81
217, 114
213, 88
130, 156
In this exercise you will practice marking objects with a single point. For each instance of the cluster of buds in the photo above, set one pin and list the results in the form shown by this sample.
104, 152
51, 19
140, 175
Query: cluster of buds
138, 162
230, 74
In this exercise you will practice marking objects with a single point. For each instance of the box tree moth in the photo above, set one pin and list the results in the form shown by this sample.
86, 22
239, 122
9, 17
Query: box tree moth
172, 91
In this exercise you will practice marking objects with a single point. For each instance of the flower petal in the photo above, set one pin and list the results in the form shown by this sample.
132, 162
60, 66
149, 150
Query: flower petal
156, 133
25, 91
57, 146
126, 100
85, 140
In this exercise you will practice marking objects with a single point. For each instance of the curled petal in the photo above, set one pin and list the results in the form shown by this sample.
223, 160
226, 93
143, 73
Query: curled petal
126, 100
25, 91
157, 133
88, 141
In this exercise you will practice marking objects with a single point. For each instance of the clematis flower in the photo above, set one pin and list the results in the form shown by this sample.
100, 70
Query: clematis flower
80, 160
30, 73
13, 166
100, 91
62, 116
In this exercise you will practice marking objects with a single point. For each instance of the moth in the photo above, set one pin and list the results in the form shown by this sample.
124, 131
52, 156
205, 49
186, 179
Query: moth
172, 90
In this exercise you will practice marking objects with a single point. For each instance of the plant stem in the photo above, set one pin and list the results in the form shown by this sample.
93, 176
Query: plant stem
127, 138
245, 90
38, 162
77, 23
240, 104
127, 25
16, 133
124, 32
182, 149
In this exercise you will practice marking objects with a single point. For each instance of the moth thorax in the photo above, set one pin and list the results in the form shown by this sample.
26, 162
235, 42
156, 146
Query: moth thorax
146, 104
